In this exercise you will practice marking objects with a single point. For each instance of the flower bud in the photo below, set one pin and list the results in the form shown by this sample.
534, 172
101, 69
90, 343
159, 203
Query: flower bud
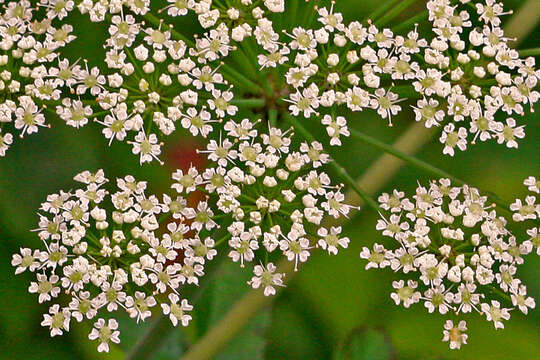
333, 59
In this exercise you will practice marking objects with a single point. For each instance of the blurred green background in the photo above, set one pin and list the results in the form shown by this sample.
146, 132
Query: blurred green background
331, 304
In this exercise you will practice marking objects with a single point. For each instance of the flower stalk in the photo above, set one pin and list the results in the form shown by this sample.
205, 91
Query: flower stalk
396, 10
420, 164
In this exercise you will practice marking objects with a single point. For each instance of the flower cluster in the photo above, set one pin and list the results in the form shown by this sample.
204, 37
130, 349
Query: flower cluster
33, 75
150, 83
465, 74
112, 251
458, 255
155, 83
273, 199
266, 195
128, 250
154, 77
234, 19
347, 65
472, 75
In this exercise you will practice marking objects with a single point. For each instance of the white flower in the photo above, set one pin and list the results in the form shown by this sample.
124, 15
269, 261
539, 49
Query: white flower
45, 287
525, 210
533, 241
357, 98
220, 152
221, 103
304, 102
438, 298
25, 260
6, 139
186, 181
139, 305
452, 139
331, 241
331, 21
197, 122
28, 117
335, 128
532, 184
267, 278
509, 133
394, 227
520, 299
243, 247
377, 258
494, 313
429, 112
82, 307
57, 321
405, 293
105, 332
177, 312
455, 334
147, 147
295, 247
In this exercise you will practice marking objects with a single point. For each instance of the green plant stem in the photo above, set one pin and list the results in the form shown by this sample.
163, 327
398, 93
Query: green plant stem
272, 116
529, 52
406, 91
523, 21
396, 10
147, 344
382, 9
348, 179
248, 103
407, 24
422, 165
238, 79
248, 46
292, 10
387, 165
233, 321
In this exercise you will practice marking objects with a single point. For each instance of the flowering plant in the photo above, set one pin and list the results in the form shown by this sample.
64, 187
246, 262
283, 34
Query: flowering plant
247, 84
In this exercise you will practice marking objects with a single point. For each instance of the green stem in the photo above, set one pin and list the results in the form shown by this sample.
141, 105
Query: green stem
134, 62
238, 79
272, 116
408, 24
147, 344
382, 9
396, 10
523, 22
226, 237
227, 328
529, 52
406, 91
248, 103
500, 293
248, 47
420, 164
292, 12
349, 180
